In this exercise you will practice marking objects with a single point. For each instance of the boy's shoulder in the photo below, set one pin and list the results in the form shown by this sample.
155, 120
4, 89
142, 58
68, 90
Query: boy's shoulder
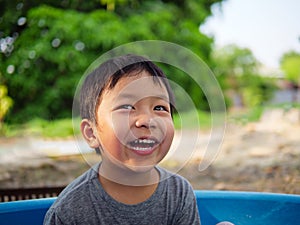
74, 202
77, 190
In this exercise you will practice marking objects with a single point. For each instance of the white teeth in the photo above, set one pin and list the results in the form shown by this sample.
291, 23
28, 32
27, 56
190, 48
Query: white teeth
144, 141
142, 144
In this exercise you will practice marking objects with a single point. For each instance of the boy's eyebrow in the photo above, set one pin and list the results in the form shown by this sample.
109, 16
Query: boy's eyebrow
132, 96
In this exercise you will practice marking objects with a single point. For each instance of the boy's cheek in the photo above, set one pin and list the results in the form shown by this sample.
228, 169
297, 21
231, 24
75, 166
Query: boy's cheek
121, 135
116, 119
120, 129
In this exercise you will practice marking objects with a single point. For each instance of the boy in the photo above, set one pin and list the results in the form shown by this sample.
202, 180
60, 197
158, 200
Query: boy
126, 106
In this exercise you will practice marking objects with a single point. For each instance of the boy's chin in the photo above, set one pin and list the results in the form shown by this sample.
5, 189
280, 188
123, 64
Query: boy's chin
133, 175
140, 169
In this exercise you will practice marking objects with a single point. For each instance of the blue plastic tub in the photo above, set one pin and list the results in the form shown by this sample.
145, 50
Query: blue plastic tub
248, 208
214, 206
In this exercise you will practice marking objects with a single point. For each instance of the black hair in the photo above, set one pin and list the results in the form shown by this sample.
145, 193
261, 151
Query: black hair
109, 73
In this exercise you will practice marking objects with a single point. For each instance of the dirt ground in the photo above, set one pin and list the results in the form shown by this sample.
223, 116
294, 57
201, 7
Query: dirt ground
262, 156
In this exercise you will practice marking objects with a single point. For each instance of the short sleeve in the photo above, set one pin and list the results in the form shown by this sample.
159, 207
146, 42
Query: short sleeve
189, 212
51, 218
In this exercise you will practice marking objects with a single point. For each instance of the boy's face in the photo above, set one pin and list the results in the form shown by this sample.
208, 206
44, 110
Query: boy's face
134, 124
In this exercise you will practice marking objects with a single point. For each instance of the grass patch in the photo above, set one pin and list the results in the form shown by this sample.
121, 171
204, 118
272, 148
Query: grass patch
285, 106
255, 113
201, 119
247, 116
61, 128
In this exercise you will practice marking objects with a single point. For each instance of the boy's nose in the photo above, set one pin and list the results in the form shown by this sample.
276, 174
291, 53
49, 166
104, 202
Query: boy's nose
145, 120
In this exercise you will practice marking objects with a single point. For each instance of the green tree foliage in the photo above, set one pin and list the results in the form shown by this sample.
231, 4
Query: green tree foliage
5, 103
47, 47
290, 65
237, 70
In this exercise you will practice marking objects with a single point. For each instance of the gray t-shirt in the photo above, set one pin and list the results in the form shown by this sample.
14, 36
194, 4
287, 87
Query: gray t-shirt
84, 201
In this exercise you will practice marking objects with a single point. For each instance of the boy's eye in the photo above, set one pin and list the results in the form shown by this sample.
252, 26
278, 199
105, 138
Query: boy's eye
126, 106
161, 108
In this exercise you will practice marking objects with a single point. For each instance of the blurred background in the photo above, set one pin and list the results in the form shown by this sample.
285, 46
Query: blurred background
252, 47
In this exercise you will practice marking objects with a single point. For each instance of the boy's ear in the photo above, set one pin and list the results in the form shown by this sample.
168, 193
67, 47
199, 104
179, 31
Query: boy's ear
89, 133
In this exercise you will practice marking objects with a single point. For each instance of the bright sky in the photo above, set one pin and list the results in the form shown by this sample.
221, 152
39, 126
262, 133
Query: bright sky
268, 27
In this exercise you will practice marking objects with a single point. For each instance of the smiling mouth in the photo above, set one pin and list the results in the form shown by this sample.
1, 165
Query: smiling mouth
143, 145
